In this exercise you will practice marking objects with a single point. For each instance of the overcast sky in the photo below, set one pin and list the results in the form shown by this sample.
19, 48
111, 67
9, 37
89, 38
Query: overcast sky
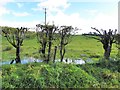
84, 14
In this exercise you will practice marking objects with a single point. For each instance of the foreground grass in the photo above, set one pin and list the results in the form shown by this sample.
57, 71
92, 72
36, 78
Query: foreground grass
79, 47
61, 75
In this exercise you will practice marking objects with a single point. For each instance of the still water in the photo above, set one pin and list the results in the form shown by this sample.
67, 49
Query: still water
31, 59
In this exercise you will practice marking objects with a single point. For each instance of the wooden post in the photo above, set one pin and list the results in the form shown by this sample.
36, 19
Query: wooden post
54, 54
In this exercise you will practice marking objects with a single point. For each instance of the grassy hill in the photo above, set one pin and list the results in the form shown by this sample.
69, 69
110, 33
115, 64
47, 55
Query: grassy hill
79, 47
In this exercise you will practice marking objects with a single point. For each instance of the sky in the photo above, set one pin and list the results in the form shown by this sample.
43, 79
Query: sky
83, 14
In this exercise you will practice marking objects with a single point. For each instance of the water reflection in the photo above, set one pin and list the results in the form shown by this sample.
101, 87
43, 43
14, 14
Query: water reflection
77, 61
24, 61
31, 59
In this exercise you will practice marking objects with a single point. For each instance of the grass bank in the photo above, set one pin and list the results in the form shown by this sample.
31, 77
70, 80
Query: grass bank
61, 75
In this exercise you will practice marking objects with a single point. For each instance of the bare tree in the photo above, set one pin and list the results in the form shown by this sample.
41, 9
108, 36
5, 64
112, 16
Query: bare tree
45, 36
42, 36
107, 39
65, 33
15, 37
51, 32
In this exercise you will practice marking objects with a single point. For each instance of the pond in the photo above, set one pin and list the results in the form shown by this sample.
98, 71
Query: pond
24, 61
31, 59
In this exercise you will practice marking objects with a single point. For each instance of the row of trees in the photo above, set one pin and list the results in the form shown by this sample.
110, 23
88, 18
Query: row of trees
48, 34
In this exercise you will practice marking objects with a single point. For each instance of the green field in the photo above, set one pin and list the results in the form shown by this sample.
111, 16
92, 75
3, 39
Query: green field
79, 47
103, 74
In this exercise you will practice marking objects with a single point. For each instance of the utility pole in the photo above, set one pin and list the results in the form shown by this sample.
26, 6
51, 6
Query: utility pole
118, 36
45, 15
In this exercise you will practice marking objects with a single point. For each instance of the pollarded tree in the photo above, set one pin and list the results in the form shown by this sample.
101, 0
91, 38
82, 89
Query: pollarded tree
107, 39
15, 37
51, 32
45, 36
42, 36
65, 33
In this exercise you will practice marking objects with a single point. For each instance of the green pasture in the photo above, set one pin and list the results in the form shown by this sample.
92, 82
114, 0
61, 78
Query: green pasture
79, 47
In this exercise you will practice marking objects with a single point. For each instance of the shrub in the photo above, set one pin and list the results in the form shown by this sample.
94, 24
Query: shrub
46, 76
107, 76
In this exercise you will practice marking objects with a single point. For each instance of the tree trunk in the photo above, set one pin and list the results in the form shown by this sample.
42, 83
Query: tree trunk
49, 51
107, 52
18, 55
50, 35
61, 48
62, 53
44, 51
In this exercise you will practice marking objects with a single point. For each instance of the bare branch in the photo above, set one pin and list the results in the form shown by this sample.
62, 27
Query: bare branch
96, 30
